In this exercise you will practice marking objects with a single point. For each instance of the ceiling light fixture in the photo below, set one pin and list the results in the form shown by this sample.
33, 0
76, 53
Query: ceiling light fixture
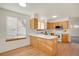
54, 16
22, 4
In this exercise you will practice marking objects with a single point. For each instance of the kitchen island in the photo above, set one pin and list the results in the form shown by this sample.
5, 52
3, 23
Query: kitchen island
45, 43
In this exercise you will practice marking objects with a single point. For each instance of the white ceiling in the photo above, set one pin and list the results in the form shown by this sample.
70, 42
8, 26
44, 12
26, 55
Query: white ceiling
46, 9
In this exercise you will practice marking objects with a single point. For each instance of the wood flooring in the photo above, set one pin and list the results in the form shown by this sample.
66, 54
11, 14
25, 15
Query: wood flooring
63, 49
24, 51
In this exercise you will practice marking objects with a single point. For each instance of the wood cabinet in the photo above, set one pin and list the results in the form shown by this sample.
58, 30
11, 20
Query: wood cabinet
52, 33
45, 45
33, 23
34, 41
50, 25
45, 48
65, 38
64, 24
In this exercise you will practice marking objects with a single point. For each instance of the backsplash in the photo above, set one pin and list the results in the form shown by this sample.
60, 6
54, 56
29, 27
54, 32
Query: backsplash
47, 32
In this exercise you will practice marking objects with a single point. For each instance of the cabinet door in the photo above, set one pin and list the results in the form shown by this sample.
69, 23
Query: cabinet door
65, 38
50, 25
34, 41
66, 25
31, 24
43, 46
56, 24
34, 23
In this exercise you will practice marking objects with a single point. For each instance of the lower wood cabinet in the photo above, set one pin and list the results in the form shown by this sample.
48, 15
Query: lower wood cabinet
34, 41
45, 48
45, 45
65, 38
52, 25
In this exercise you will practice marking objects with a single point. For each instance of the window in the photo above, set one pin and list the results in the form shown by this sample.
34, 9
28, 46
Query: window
12, 27
16, 28
41, 25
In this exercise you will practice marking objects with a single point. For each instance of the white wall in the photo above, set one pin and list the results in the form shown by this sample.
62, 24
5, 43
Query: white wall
5, 46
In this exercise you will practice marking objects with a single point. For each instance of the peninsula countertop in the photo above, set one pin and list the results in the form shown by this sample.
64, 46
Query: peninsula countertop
43, 36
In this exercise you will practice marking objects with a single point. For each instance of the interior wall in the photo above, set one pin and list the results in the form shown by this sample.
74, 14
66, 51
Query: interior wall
5, 46
74, 21
74, 29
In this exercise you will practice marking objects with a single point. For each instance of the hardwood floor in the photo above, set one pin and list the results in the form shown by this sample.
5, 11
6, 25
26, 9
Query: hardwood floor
24, 51
63, 49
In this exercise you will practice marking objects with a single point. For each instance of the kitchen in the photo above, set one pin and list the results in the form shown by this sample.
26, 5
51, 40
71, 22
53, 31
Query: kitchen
47, 33
50, 32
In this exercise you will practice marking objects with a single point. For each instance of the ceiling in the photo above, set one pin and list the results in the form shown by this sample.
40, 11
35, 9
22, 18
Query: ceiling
45, 9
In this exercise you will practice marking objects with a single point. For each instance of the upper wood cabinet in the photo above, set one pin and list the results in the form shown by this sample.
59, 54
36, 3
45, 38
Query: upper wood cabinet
33, 23
65, 24
50, 25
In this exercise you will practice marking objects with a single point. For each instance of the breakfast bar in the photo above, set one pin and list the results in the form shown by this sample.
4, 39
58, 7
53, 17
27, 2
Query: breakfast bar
45, 43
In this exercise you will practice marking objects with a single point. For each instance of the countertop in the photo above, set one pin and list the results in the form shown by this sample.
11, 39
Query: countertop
43, 36
64, 33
